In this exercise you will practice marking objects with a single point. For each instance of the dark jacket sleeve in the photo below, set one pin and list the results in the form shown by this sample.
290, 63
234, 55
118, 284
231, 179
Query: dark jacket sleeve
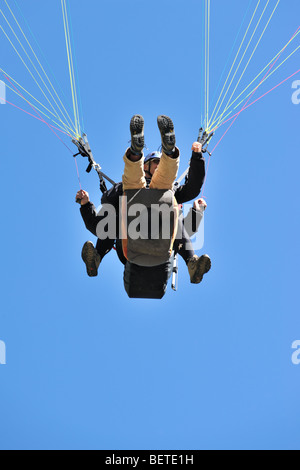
89, 213
194, 181
90, 217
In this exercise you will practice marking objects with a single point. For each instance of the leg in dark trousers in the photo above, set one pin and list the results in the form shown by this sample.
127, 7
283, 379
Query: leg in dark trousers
183, 245
103, 247
197, 267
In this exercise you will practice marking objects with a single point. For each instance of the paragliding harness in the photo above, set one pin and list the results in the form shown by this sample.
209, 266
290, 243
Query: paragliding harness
149, 257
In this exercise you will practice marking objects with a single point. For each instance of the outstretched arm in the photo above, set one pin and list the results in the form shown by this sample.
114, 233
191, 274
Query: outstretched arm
195, 179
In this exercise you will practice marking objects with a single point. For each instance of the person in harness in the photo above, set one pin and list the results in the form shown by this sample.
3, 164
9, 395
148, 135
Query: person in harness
157, 171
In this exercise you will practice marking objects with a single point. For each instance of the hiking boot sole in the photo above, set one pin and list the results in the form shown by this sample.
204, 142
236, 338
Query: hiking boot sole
166, 127
203, 267
137, 134
89, 257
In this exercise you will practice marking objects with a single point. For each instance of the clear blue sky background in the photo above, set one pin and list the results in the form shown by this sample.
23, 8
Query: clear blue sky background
208, 367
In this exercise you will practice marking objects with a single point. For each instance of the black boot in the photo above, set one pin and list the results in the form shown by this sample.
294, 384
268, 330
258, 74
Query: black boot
167, 133
137, 135
198, 267
91, 258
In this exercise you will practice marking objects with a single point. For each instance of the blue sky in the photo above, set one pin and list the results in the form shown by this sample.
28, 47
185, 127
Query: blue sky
208, 367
